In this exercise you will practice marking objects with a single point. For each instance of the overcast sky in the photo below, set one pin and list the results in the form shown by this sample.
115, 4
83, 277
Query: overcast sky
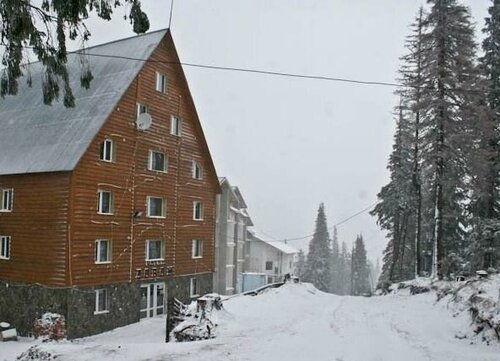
287, 143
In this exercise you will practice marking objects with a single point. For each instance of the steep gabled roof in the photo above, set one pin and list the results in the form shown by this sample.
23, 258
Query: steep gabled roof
38, 138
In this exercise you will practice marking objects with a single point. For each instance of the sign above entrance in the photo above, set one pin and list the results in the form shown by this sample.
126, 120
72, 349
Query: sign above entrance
153, 272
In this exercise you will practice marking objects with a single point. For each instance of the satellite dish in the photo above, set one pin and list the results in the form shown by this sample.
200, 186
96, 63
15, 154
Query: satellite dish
144, 121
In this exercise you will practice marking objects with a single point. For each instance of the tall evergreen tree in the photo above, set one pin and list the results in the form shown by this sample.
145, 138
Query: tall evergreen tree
484, 248
335, 270
317, 270
301, 264
360, 274
449, 74
344, 271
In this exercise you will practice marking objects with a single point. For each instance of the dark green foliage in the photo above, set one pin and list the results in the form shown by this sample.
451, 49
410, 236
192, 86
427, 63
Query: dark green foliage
44, 30
317, 270
360, 274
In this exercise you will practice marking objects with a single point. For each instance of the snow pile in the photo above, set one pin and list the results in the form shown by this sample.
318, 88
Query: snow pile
36, 353
478, 297
51, 326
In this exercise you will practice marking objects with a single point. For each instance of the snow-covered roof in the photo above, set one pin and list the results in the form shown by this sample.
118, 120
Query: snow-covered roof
35, 137
280, 246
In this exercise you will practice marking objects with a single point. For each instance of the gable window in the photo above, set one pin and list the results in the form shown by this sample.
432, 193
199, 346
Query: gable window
4, 247
161, 82
197, 211
157, 161
107, 150
175, 126
141, 109
194, 289
196, 172
102, 251
101, 301
105, 202
155, 250
197, 248
269, 266
156, 207
6, 200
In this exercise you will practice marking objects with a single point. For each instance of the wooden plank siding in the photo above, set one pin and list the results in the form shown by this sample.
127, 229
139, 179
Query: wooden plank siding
54, 224
131, 182
38, 227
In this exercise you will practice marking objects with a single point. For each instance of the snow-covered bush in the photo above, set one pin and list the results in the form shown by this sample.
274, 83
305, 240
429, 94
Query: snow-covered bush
35, 353
50, 327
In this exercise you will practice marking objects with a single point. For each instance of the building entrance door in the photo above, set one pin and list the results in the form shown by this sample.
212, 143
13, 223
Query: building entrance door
152, 299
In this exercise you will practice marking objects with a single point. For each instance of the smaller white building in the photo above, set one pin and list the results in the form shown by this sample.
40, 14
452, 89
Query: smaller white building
271, 259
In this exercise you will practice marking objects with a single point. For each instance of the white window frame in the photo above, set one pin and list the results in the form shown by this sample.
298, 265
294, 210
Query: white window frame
176, 126
162, 251
100, 193
6, 199
195, 204
98, 245
194, 287
5, 247
107, 143
197, 248
197, 172
98, 294
150, 162
161, 82
163, 207
138, 109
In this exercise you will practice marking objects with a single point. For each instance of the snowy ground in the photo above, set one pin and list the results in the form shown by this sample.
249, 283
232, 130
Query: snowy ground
295, 323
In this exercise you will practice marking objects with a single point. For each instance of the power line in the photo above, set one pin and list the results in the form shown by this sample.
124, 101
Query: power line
345, 220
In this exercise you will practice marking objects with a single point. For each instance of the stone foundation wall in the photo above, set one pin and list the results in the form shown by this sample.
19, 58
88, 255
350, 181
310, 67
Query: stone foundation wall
21, 304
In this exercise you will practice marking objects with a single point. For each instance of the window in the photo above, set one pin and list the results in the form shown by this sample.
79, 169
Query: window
141, 109
197, 211
269, 266
157, 161
161, 82
196, 170
156, 207
175, 126
197, 248
107, 150
101, 301
6, 198
4, 247
105, 202
155, 250
194, 289
102, 251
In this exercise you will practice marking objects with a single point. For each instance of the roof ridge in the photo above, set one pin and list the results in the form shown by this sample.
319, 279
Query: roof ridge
79, 51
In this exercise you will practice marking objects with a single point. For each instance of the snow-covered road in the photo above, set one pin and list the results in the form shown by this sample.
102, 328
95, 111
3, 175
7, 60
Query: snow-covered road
299, 323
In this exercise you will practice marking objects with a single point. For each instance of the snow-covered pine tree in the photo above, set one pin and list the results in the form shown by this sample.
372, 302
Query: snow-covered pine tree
335, 278
360, 279
448, 75
484, 247
345, 270
301, 264
396, 211
317, 270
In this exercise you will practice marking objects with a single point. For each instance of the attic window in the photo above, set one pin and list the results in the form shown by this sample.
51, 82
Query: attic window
107, 150
161, 82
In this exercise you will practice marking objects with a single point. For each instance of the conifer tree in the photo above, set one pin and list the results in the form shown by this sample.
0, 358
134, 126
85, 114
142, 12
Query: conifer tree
360, 277
335, 277
448, 76
484, 247
317, 270
301, 264
345, 271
